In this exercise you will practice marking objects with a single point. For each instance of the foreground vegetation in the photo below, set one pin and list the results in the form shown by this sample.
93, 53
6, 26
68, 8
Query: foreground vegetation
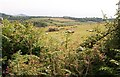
30, 50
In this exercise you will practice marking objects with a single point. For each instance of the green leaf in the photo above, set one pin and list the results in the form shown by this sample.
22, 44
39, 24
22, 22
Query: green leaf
114, 61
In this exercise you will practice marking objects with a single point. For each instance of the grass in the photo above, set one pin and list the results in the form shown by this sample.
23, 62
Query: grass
56, 42
81, 32
52, 19
59, 40
56, 21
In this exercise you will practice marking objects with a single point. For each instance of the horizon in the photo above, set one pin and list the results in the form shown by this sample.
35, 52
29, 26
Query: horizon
60, 8
55, 16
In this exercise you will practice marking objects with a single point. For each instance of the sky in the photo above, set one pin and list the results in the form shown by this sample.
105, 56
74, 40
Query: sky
73, 8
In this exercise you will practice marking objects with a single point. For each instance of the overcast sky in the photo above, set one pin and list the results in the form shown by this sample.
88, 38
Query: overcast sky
74, 8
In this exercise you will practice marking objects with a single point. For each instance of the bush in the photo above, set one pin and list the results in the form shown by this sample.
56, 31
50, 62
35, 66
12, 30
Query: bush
40, 24
24, 65
19, 37
16, 36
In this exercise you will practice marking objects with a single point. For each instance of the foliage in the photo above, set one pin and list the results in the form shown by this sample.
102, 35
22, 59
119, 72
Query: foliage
24, 64
29, 52
40, 24
108, 45
16, 36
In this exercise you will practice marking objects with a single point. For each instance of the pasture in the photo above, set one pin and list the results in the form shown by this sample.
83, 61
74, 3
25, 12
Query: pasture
81, 32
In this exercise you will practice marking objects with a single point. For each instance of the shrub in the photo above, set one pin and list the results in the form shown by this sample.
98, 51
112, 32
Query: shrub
24, 65
40, 24
16, 36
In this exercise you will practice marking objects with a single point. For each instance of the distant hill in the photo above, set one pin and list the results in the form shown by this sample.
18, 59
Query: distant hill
5, 16
14, 17
20, 15
60, 19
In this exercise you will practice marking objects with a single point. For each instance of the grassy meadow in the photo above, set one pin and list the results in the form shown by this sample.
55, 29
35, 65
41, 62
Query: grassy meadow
57, 40
81, 30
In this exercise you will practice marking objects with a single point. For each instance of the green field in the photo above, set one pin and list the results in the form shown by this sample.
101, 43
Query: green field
55, 21
81, 30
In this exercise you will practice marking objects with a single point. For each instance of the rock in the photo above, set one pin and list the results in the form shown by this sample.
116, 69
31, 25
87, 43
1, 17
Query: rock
52, 29
90, 30
70, 31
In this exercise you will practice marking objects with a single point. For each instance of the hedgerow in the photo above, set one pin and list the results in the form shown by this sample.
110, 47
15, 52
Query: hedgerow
28, 54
